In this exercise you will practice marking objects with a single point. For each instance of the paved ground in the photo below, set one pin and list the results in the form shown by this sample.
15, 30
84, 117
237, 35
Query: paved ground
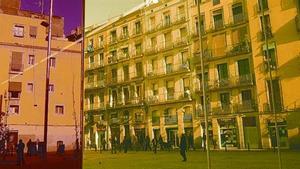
196, 160
54, 161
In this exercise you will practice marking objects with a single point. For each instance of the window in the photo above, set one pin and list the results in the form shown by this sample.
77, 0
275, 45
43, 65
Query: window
138, 49
125, 32
113, 36
276, 95
246, 96
14, 109
30, 87
125, 52
138, 28
237, 11
101, 41
168, 40
170, 90
243, 66
139, 69
152, 23
155, 89
181, 12
183, 32
51, 88
266, 26
225, 100
153, 42
14, 94
18, 31
126, 94
167, 19
59, 109
52, 62
272, 60
16, 62
14, 89
91, 59
169, 64
101, 59
32, 31
216, 2
114, 74
263, 5
126, 72
31, 59
222, 71
218, 19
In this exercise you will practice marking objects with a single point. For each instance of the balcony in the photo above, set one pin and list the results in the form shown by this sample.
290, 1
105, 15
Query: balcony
138, 53
94, 106
187, 118
153, 99
124, 37
166, 46
112, 59
238, 18
244, 80
139, 119
222, 109
179, 42
14, 101
179, 19
245, 106
155, 120
170, 96
123, 57
171, 120
269, 34
217, 25
113, 40
95, 84
114, 120
90, 48
16, 68
151, 50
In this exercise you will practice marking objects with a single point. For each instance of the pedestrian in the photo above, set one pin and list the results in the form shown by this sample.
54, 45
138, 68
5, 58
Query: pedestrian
20, 153
29, 147
126, 144
183, 147
147, 143
191, 141
104, 144
161, 142
154, 144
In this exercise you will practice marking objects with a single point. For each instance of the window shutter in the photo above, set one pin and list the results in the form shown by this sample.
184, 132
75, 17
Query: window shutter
15, 86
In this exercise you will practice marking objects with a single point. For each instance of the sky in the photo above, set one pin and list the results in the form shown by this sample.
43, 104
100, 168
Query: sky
71, 10
97, 11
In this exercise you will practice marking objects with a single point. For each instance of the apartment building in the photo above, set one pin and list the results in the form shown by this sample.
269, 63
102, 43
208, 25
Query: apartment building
274, 26
151, 81
23, 48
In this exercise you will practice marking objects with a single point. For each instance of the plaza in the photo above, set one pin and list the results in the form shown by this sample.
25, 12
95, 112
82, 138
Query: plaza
196, 160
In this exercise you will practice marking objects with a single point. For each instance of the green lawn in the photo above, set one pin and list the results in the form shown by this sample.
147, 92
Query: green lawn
196, 160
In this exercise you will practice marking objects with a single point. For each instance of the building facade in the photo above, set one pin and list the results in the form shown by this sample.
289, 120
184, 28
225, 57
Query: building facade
23, 47
143, 78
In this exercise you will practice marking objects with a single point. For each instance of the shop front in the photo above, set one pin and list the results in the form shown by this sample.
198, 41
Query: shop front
228, 133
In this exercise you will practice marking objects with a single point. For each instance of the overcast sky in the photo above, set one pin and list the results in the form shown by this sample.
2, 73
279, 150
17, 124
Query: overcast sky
97, 11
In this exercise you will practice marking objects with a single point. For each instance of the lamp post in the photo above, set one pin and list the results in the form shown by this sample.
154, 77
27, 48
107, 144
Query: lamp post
265, 34
203, 87
47, 79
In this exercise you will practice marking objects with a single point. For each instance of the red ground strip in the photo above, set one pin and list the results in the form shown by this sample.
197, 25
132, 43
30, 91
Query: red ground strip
54, 161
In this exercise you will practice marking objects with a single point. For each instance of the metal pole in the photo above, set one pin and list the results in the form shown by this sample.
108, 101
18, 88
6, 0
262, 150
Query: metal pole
203, 88
271, 84
47, 79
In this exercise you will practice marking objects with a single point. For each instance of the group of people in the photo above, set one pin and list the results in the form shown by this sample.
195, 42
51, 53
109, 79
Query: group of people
145, 144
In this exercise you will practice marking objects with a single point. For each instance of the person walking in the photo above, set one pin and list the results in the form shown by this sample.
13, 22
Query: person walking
29, 147
20, 153
183, 147
154, 144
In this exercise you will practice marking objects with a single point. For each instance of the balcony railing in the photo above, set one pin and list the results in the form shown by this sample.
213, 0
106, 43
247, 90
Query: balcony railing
181, 42
222, 109
187, 118
16, 68
114, 120
231, 82
268, 31
219, 24
90, 48
151, 50
245, 106
95, 84
153, 99
170, 120
139, 119
112, 59
94, 106
238, 18
155, 120
124, 36
123, 57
